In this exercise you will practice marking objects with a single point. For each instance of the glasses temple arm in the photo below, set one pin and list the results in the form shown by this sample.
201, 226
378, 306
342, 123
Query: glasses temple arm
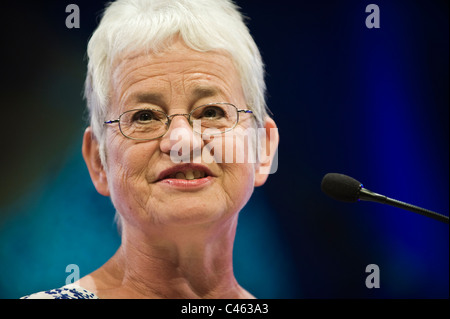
111, 121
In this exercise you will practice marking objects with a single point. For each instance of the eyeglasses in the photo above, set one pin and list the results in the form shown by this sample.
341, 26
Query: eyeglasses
149, 124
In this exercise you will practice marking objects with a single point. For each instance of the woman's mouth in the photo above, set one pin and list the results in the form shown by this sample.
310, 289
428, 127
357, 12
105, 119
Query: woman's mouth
186, 176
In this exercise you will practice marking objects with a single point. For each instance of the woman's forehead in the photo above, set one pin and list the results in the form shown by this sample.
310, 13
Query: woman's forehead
174, 56
196, 73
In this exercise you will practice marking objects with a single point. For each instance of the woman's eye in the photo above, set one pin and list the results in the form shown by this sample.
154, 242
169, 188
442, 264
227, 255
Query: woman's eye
213, 112
143, 116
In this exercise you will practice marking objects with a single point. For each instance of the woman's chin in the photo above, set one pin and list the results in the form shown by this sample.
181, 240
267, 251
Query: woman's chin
189, 215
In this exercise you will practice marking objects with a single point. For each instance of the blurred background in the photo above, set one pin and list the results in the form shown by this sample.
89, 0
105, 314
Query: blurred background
370, 103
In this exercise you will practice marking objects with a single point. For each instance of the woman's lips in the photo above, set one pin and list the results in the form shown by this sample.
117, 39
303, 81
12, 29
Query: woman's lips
188, 176
185, 172
186, 183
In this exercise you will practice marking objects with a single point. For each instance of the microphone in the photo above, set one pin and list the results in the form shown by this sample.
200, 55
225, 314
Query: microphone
347, 189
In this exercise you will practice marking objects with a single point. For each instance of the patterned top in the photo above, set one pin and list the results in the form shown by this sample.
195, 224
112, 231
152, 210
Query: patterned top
70, 291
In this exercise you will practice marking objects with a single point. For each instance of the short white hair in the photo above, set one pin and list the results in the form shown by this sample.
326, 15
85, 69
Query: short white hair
149, 26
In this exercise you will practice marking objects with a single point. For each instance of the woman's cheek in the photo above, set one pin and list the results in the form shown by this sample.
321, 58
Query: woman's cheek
127, 172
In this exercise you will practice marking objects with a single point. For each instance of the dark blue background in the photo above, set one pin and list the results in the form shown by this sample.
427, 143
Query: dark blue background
370, 103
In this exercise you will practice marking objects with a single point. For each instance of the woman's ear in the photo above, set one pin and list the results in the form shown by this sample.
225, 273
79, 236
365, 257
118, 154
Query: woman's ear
267, 152
91, 155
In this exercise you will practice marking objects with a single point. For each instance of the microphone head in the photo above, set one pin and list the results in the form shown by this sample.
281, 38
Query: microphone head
341, 187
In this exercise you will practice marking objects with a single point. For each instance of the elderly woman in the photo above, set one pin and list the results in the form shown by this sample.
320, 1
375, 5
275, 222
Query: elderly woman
172, 88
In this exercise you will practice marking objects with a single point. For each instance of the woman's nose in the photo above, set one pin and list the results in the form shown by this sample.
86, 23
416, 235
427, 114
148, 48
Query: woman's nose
180, 142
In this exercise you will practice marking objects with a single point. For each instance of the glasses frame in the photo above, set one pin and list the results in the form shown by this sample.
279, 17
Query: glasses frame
170, 118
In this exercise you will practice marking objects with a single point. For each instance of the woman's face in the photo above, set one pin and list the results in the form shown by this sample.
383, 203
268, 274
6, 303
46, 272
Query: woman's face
145, 184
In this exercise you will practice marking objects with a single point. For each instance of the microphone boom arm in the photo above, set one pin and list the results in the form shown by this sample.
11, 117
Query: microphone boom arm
367, 195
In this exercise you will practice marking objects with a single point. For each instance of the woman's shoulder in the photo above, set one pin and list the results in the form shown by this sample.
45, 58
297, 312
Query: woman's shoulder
71, 291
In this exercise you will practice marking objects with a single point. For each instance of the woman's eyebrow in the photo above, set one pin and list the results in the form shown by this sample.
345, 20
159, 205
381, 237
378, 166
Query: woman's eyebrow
147, 97
206, 91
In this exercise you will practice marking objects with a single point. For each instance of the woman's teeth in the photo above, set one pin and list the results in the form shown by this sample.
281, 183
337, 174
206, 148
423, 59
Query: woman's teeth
189, 174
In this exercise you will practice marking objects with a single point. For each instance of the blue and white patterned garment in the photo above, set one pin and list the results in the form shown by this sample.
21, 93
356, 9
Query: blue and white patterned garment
70, 291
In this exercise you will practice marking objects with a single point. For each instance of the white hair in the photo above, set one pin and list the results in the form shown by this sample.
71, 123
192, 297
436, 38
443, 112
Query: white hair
149, 25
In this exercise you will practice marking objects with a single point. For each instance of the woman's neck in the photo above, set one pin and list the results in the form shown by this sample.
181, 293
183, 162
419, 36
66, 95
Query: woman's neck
194, 261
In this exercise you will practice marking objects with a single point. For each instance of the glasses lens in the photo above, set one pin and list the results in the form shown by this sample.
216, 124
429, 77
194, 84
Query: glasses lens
143, 124
219, 117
